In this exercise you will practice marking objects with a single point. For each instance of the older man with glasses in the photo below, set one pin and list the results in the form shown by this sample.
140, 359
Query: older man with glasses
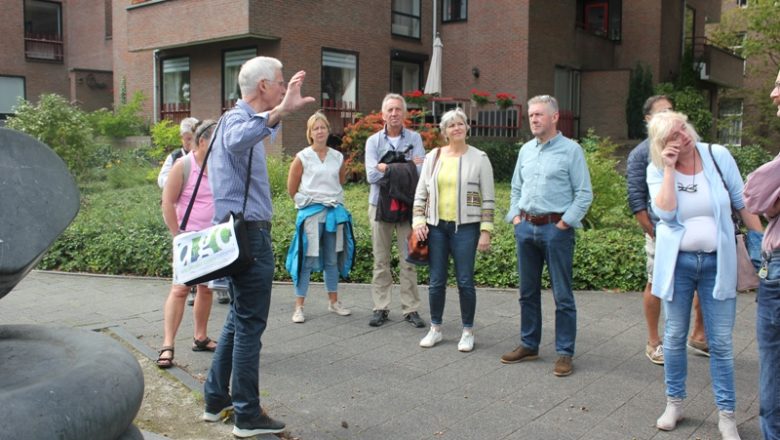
238, 151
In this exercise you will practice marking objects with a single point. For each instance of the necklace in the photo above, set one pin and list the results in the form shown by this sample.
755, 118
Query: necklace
692, 187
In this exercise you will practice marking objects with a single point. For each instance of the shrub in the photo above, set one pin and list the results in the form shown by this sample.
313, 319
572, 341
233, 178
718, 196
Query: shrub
353, 144
278, 166
125, 120
165, 139
639, 89
749, 157
689, 101
61, 126
609, 208
503, 157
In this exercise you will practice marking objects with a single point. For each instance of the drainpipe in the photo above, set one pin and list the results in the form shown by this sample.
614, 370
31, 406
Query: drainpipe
155, 93
434, 20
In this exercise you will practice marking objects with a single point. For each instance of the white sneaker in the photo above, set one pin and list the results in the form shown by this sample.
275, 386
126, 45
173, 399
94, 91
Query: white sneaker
727, 424
432, 338
466, 343
671, 415
338, 309
298, 315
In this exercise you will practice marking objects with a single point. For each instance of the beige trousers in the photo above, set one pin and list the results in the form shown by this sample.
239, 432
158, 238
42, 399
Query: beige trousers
382, 283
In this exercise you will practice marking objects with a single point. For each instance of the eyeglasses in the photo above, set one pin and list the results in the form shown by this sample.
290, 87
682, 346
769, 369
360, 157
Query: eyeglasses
281, 83
690, 188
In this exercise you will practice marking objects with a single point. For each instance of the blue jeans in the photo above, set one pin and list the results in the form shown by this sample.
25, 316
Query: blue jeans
768, 336
328, 259
537, 246
238, 350
444, 241
695, 271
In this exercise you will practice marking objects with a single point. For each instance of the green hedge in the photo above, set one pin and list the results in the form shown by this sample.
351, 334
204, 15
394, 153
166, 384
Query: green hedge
121, 232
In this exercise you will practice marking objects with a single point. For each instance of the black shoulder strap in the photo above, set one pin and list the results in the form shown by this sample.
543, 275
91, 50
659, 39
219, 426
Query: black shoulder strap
733, 210
186, 217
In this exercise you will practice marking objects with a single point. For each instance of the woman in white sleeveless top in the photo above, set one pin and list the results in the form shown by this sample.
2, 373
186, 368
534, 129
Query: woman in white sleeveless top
315, 178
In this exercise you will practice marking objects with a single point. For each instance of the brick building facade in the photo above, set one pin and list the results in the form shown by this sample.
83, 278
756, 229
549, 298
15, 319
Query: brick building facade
184, 54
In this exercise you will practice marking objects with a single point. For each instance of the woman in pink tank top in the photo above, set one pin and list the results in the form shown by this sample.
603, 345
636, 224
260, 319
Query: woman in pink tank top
176, 197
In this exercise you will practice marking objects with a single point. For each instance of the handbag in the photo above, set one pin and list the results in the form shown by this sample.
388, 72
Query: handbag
417, 250
217, 251
747, 279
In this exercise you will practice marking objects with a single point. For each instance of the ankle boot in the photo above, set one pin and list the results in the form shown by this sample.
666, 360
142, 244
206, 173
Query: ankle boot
727, 424
671, 415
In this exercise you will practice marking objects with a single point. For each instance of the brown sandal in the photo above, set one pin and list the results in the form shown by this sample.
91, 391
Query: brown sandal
203, 344
165, 362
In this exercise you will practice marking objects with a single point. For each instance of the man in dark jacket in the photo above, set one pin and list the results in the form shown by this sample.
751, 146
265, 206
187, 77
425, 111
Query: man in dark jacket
639, 202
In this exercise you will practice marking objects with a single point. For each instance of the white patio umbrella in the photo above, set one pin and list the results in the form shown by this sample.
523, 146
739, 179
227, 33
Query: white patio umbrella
433, 83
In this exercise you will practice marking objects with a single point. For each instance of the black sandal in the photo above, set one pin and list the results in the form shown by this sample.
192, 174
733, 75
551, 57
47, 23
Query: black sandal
165, 362
203, 344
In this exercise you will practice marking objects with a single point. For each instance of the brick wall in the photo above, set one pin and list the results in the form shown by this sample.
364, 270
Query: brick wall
604, 96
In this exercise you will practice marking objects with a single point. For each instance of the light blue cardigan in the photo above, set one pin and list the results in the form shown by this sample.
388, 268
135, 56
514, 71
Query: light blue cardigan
670, 231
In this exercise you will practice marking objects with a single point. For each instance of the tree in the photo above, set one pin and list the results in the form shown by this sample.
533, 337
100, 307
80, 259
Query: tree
754, 33
640, 88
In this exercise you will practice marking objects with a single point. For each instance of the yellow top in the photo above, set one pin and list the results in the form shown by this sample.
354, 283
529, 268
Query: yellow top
447, 181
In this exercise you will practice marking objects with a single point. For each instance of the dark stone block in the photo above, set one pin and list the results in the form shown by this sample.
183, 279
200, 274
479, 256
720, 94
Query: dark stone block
67, 384
38, 200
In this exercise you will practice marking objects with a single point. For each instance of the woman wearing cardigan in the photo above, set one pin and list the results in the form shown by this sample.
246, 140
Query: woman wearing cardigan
453, 209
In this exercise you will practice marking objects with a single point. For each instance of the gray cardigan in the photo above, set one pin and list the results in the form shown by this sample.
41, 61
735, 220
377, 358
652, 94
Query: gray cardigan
476, 195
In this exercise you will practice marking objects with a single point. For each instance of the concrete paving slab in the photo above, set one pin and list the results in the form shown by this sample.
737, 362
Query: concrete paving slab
335, 377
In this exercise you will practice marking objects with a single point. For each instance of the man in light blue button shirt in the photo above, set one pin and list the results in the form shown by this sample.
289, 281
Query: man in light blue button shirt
551, 193
238, 175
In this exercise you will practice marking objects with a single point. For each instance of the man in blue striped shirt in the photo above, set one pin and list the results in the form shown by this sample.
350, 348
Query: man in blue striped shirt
551, 193
238, 145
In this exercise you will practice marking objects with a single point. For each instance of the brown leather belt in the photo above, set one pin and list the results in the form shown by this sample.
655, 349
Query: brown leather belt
542, 219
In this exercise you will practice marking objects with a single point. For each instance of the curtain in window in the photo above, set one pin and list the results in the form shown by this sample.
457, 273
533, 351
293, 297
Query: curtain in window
234, 59
11, 89
339, 78
176, 80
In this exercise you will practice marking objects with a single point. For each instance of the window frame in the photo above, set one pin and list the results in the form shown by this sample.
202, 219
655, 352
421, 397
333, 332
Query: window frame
444, 8
4, 116
222, 99
357, 73
180, 112
61, 35
613, 18
394, 13
408, 57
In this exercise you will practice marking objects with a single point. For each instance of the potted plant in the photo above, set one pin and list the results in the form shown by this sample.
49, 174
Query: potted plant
479, 97
505, 100
416, 98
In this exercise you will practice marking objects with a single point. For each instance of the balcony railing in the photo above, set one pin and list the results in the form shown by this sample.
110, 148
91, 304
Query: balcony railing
339, 114
718, 65
175, 111
489, 120
43, 47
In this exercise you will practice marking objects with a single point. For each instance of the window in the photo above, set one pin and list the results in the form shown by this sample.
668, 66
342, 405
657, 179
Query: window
742, 3
109, 19
405, 76
730, 122
454, 10
406, 18
600, 17
567, 92
11, 89
339, 79
43, 30
176, 88
232, 61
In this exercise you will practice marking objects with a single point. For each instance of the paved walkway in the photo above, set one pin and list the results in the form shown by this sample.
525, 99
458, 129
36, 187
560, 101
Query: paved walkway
337, 378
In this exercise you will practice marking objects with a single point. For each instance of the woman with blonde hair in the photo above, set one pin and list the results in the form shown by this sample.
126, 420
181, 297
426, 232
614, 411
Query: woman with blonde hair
693, 187
323, 234
454, 208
